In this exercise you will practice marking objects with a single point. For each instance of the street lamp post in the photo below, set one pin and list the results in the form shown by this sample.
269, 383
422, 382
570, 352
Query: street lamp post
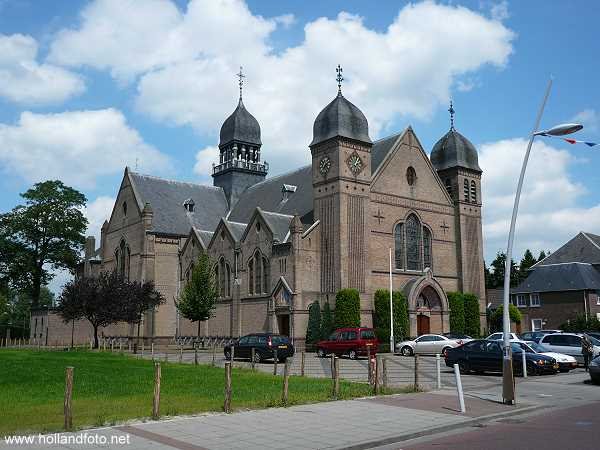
392, 349
508, 386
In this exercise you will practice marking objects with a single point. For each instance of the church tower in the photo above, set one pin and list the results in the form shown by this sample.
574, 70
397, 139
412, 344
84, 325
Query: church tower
455, 159
239, 153
341, 175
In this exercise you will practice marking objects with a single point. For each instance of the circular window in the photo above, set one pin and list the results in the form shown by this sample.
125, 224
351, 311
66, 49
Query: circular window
411, 176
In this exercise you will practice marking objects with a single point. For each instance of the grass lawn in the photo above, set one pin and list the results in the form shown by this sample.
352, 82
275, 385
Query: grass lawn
109, 388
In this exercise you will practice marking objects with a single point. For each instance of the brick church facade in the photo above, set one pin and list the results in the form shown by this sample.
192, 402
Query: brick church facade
283, 242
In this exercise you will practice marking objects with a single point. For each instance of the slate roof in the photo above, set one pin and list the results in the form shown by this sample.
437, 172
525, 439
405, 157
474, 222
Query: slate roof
454, 150
166, 198
340, 118
381, 148
279, 224
583, 248
561, 277
204, 236
240, 126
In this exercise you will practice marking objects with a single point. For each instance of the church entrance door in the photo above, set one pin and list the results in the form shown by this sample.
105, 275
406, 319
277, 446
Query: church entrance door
422, 324
283, 323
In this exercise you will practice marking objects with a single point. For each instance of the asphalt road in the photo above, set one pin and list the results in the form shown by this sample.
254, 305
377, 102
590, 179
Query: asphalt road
569, 428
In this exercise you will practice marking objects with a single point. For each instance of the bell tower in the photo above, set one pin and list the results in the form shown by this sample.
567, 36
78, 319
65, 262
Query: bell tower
341, 174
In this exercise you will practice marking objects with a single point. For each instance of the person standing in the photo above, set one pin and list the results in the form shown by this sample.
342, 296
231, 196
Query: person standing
587, 349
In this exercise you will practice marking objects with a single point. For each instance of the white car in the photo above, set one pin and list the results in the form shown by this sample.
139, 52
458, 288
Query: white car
500, 337
427, 344
565, 362
568, 344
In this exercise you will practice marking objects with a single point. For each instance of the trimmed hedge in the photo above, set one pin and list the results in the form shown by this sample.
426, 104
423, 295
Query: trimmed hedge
313, 330
457, 312
381, 315
472, 318
326, 321
347, 308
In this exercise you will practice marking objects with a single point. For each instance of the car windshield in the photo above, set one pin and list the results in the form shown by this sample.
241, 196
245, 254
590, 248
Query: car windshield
516, 347
539, 348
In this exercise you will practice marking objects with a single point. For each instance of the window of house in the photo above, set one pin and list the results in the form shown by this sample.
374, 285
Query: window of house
473, 191
466, 190
534, 299
413, 244
536, 324
521, 300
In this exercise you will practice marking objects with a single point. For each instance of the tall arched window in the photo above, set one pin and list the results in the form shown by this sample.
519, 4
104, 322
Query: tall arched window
228, 276
466, 190
251, 276
426, 248
222, 278
473, 192
399, 245
257, 273
217, 274
413, 244
266, 274
122, 256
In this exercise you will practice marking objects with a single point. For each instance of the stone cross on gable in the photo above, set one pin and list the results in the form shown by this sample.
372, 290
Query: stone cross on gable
444, 227
378, 216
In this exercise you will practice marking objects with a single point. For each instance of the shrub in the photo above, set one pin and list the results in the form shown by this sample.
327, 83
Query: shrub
313, 330
496, 317
457, 312
326, 321
347, 308
580, 323
471, 312
381, 315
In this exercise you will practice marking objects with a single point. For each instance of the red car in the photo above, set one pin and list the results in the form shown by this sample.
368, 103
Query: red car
352, 342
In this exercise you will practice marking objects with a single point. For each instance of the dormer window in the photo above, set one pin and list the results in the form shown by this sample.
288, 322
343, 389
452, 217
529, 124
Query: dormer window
189, 205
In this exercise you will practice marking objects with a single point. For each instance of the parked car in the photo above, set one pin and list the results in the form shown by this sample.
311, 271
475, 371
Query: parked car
595, 370
535, 336
593, 334
500, 336
427, 344
458, 336
569, 344
265, 345
352, 342
565, 362
484, 355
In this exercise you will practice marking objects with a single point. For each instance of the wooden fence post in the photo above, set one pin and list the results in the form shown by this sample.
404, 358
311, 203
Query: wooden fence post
227, 404
284, 395
252, 355
384, 373
156, 399
214, 351
376, 376
181, 353
120, 346
275, 361
416, 372
195, 354
68, 398
302, 357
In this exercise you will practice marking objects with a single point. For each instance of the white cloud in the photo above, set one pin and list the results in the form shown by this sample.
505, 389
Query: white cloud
549, 214
76, 147
589, 118
204, 161
499, 11
23, 80
97, 211
186, 61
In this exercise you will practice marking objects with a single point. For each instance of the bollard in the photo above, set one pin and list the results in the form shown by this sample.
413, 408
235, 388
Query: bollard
275, 361
524, 363
180, 353
302, 356
384, 373
195, 354
253, 354
439, 371
153, 351
284, 395
227, 404
103, 345
142, 349
129, 346
120, 346
416, 372
369, 364
112, 345
376, 376
156, 399
68, 398
461, 398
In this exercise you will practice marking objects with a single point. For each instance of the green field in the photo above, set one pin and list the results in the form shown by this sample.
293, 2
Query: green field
109, 388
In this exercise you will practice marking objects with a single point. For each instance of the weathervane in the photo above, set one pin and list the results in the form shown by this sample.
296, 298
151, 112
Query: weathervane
241, 77
339, 78
451, 111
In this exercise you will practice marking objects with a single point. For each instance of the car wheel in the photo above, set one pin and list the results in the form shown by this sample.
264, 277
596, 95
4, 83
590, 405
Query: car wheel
321, 353
257, 357
406, 351
445, 350
352, 354
463, 366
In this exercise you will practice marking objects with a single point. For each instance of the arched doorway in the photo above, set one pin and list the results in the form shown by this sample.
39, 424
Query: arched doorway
428, 306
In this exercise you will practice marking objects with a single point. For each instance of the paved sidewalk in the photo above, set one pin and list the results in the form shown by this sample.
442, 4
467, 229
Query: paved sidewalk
355, 424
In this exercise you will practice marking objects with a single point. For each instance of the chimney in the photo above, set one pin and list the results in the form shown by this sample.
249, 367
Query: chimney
286, 191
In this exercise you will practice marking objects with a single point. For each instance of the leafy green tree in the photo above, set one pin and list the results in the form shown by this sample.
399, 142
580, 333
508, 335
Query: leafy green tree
139, 298
347, 308
527, 261
496, 317
472, 318
44, 234
497, 272
327, 325
197, 300
313, 330
381, 315
457, 312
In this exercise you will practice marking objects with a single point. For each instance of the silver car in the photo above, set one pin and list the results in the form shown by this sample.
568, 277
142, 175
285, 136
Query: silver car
427, 344
569, 344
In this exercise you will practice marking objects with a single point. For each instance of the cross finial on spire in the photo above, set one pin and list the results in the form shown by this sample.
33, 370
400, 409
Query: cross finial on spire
339, 78
451, 111
241, 77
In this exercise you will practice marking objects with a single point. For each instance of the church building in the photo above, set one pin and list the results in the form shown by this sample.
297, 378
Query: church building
280, 243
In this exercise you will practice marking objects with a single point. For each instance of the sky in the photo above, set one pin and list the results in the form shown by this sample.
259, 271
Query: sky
88, 87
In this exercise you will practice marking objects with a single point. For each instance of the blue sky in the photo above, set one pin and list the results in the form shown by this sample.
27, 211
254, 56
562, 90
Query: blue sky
113, 82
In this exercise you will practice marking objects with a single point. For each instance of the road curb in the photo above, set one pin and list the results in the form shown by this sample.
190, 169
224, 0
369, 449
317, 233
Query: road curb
441, 429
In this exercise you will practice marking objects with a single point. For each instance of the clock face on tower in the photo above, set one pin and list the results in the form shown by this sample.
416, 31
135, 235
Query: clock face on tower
355, 164
324, 165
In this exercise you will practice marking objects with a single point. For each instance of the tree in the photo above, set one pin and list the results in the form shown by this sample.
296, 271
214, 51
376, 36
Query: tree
457, 312
347, 308
197, 300
326, 321
526, 262
542, 255
139, 298
496, 321
497, 273
472, 318
381, 315
313, 330
45, 234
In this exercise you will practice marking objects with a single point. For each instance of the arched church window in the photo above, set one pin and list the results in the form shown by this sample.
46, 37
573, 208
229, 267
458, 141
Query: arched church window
228, 281
399, 246
251, 276
413, 243
473, 191
266, 274
222, 279
122, 256
217, 279
426, 248
258, 281
466, 190
411, 176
